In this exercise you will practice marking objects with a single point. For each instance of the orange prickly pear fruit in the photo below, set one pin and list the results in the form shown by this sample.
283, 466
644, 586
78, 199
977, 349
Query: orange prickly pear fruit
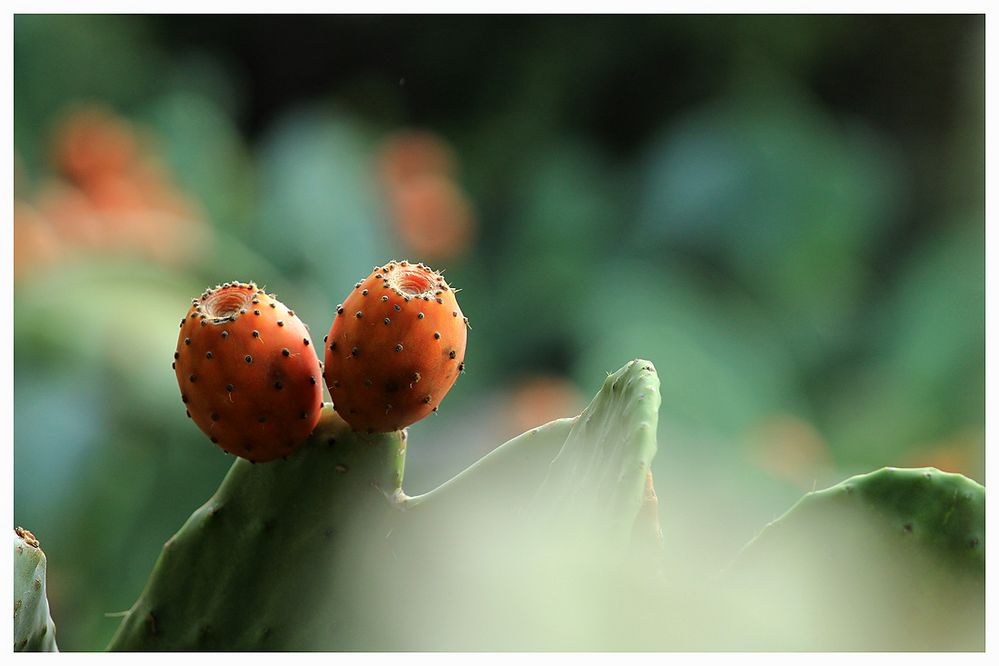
248, 372
396, 347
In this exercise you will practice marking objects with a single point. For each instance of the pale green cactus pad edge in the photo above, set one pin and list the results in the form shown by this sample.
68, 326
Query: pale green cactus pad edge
890, 560
34, 630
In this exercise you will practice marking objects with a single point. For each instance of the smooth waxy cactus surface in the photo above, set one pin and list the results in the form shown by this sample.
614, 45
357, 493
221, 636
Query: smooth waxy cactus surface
34, 630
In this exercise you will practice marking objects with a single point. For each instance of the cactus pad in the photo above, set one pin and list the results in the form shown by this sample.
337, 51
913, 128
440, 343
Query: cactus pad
251, 568
33, 627
599, 478
325, 552
890, 560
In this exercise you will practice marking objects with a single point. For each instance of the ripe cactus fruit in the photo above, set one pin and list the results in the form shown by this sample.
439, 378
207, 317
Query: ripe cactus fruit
33, 627
396, 346
248, 372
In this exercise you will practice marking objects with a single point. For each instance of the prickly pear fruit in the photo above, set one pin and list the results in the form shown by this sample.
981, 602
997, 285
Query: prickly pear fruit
396, 346
248, 372
33, 627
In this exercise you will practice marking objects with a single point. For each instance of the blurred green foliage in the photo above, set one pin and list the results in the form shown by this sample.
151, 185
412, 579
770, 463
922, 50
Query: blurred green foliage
785, 214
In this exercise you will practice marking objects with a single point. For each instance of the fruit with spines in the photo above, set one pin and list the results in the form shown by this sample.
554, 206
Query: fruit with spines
395, 348
248, 372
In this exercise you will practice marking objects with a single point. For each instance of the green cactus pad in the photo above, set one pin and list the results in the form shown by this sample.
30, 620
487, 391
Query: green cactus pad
254, 568
941, 512
599, 477
921, 509
894, 559
34, 630
325, 552
592, 469
532, 548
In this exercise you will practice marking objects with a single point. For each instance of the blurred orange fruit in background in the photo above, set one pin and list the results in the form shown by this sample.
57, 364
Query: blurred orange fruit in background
430, 213
539, 399
409, 154
962, 452
432, 217
110, 193
791, 449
